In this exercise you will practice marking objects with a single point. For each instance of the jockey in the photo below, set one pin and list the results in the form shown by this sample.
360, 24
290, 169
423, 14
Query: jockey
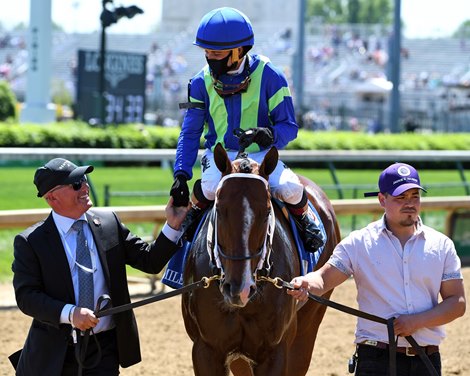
237, 90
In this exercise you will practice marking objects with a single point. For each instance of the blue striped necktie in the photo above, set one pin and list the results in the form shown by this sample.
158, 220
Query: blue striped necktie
85, 268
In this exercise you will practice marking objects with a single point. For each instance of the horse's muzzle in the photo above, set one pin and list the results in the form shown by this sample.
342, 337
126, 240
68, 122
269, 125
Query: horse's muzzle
238, 295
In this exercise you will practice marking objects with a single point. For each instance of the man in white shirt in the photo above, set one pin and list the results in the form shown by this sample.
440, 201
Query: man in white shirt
400, 267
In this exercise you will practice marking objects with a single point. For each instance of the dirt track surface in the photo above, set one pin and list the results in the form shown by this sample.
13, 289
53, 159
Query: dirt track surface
166, 349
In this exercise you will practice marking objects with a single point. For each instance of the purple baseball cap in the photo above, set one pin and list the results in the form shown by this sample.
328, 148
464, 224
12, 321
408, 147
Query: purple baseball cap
396, 179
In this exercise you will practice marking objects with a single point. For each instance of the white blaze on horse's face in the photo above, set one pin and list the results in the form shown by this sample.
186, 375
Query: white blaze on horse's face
243, 222
247, 277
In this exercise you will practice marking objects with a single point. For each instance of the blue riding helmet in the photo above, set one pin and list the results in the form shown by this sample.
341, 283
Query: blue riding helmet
224, 29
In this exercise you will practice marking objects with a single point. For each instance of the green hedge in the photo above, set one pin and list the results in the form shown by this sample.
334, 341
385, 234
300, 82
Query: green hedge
307, 140
78, 134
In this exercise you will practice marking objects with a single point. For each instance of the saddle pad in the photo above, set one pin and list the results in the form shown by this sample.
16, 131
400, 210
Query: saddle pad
309, 260
173, 276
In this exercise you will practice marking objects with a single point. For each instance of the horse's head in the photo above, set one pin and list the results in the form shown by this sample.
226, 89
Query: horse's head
243, 217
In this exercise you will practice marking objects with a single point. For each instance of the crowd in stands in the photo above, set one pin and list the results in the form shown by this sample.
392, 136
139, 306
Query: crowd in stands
335, 58
164, 69
13, 58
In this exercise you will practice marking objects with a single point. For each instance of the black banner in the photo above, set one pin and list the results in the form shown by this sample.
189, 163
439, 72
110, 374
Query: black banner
124, 87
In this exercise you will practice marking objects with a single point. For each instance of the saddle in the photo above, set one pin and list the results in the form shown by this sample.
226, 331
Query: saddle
173, 276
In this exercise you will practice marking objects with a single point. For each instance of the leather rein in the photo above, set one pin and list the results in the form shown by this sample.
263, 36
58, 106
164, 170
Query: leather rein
279, 283
104, 308
261, 272
81, 345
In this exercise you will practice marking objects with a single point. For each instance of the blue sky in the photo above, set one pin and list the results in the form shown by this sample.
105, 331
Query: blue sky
423, 18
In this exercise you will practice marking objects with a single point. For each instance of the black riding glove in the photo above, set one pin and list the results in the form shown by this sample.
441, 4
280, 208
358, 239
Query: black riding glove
180, 191
263, 136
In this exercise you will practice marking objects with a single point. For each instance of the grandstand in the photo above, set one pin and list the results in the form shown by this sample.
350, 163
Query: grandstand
338, 61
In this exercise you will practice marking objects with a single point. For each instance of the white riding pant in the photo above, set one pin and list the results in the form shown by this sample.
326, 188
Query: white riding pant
284, 183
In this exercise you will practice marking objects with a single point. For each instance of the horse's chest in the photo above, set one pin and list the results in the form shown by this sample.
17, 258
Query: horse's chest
247, 326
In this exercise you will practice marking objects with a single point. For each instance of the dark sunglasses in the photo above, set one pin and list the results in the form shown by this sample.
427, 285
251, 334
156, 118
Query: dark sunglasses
76, 186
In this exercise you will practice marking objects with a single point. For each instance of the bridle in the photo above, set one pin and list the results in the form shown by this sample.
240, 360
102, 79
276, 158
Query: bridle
215, 251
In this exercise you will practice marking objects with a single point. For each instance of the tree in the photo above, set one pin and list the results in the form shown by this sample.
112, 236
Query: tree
329, 11
352, 11
7, 102
57, 27
20, 27
377, 12
463, 31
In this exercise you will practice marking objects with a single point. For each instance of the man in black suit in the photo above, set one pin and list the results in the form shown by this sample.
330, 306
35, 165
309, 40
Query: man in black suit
48, 275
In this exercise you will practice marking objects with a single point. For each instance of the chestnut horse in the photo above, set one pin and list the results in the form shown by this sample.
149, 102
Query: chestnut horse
242, 322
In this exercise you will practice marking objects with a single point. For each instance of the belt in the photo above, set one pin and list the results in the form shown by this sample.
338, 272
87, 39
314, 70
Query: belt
408, 351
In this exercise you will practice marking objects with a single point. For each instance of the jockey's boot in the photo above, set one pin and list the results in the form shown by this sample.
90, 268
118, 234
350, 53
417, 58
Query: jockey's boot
199, 205
310, 233
191, 222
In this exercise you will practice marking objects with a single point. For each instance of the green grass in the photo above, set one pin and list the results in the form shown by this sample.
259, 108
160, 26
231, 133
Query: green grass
18, 192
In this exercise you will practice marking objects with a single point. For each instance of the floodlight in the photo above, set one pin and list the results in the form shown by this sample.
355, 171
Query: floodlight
107, 18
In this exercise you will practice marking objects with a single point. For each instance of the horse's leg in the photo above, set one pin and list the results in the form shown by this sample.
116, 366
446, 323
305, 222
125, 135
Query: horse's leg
308, 320
206, 361
275, 364
240, 367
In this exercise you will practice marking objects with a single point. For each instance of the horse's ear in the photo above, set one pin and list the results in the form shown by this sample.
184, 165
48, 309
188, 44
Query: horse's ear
269, 162
222, 160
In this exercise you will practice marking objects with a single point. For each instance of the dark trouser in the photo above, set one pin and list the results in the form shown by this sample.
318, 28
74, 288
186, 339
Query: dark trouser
374, 362
109, 364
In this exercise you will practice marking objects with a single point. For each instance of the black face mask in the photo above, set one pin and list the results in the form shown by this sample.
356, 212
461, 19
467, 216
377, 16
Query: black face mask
219, 67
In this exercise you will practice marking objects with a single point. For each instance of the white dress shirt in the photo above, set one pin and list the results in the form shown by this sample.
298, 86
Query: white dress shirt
69, 238
392, 280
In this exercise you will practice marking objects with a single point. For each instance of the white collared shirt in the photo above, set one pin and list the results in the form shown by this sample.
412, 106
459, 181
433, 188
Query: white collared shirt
69, 239
393, 280
171, 233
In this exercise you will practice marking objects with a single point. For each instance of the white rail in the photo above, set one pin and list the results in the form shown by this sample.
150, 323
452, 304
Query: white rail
168, 155
156, 214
